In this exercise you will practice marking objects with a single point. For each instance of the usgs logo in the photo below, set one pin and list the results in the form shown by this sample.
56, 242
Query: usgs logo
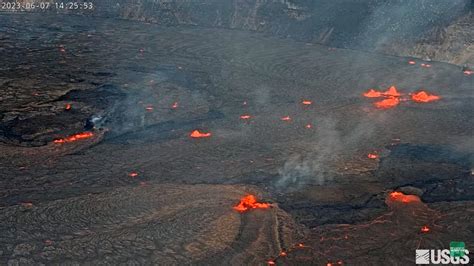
441, 256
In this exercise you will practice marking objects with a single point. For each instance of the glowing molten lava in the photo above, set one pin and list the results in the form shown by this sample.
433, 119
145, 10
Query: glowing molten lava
68, 107
411, 62
245, 117
250, 202
387, 103
175, 105
371, 93
426, 65
285, 118
198, 134
392, 91
133, 174
424, 97
306, 102
308, 126
75, 137
372, 156
468, 72
425, 229
400, 197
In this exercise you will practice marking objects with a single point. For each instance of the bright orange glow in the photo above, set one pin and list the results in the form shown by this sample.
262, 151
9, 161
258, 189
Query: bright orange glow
387, 103
175, 105
371, 93
250, 202
392, 91
75, 137
149, 108
245, 117
198, 134
68, 107
306, 102
271, 262
400, 197
286, 118
468, 72
425, 229
372, 156
133, 174
283, 254
301, 245
426, 65
308, 126
411, 62
424, 97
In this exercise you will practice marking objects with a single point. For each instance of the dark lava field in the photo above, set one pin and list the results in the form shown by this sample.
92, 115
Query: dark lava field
99, 166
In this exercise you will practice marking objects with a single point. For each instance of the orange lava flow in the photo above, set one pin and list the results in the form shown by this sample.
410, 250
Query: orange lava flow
411, 62
424, 97
198, 134
371, 93
372, 156
75, 137
68, 107
425, 229
286, 118
400, 197
245, 117
306, 102
250, 202
392, 91
468, 72
387, 103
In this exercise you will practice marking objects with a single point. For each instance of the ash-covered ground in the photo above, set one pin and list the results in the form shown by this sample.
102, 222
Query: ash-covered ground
140, 190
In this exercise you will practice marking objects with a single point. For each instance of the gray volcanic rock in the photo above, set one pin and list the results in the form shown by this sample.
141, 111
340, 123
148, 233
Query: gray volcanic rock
375, 25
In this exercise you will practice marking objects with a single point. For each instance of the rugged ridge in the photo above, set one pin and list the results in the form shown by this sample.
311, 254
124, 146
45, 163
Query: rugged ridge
438, 30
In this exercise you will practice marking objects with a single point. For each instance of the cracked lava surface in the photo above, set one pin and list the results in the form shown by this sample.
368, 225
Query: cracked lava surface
124, 142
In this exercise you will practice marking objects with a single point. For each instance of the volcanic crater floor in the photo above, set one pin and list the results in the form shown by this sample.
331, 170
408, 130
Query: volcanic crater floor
288, 124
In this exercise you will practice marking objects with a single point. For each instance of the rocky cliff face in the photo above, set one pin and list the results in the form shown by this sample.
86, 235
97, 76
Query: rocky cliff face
393, 27
453, 43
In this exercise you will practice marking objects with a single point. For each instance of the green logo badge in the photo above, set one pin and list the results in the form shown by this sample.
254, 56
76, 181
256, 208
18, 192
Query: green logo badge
457, 249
